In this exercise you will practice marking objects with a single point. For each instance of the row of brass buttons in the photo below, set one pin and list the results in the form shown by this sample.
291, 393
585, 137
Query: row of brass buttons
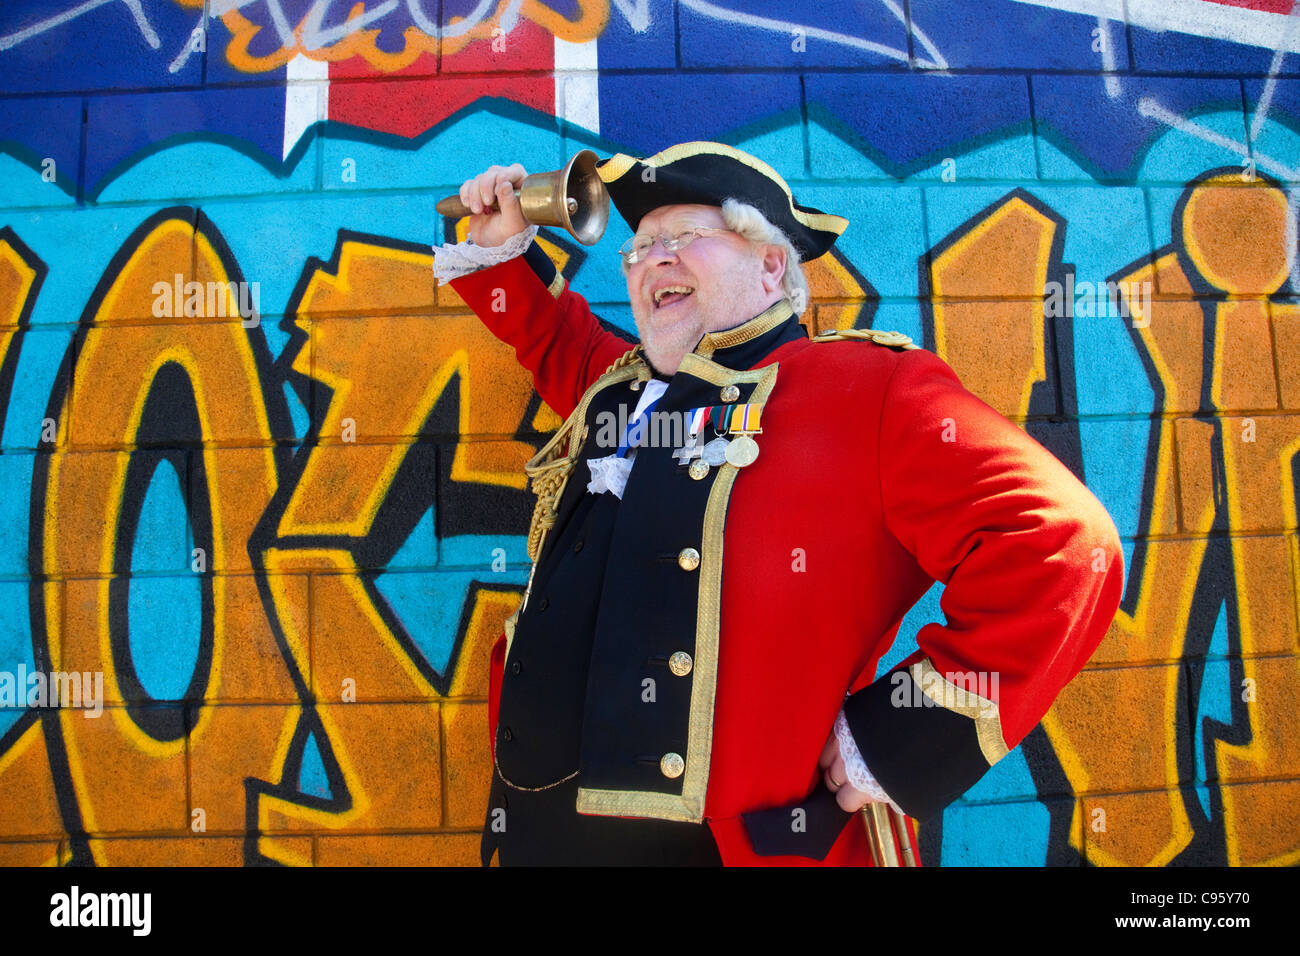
680, 663
671, 764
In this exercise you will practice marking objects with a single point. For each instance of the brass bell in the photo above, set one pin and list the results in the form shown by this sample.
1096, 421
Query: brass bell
573, 198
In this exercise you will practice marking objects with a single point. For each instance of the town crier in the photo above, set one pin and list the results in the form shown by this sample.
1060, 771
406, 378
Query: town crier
691, 676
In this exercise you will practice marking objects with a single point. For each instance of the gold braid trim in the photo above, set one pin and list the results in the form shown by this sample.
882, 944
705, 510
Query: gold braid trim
549, 470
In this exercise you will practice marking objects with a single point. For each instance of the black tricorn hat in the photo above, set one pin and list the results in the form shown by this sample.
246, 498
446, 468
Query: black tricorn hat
706, 174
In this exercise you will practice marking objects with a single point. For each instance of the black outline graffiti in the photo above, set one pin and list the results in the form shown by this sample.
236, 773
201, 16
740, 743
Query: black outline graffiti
277, 412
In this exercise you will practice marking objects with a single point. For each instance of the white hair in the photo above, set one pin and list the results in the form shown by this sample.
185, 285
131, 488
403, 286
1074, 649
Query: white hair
748, 223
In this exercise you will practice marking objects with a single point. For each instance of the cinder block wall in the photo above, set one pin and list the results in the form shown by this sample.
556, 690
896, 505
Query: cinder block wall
264, 479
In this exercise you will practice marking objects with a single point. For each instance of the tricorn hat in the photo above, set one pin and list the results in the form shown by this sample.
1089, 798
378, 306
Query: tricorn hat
706, 174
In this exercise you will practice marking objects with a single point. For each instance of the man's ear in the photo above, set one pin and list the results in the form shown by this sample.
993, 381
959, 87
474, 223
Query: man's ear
773, 264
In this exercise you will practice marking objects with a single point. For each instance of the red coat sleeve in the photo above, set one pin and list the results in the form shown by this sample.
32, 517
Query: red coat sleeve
1032, 566
527, 304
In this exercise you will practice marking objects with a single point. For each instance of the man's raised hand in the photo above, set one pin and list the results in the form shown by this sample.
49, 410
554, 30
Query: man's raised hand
495, 215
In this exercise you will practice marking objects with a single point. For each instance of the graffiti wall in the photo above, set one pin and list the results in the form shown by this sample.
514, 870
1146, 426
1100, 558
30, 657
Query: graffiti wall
262, 509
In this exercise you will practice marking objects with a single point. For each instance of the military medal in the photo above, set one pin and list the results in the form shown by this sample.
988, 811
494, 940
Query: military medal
742, 450
715, 452
695, 426
687, 452
739, 421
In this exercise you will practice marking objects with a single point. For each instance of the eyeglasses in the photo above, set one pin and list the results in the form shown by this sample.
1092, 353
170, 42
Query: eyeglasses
639, 246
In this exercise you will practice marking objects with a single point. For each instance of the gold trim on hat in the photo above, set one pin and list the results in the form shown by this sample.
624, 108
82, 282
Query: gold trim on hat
615, 167
620, 164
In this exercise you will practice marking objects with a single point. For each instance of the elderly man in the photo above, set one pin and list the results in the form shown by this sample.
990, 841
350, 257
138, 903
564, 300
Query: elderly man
689, 677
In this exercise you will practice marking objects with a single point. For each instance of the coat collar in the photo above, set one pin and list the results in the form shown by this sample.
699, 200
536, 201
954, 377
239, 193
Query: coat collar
750, 342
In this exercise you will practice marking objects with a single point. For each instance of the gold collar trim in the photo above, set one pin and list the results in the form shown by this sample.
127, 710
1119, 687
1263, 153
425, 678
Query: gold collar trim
765, 321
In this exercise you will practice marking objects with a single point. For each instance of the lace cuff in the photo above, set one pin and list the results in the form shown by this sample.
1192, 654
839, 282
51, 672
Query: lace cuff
856, 768
451, 261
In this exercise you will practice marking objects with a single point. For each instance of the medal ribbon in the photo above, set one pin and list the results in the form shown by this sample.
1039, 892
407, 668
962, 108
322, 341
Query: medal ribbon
741, 419
696, 424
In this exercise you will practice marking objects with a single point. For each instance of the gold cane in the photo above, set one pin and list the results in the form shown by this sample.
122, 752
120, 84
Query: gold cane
887, 833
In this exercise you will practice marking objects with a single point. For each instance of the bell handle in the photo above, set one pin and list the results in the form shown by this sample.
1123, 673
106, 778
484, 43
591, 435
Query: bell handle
454, 207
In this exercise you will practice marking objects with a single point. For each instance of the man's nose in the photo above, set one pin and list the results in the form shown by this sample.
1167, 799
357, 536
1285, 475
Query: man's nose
658, 252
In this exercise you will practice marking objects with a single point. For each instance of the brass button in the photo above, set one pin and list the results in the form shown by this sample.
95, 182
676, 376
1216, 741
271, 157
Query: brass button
699, 468
635, 385
672, 765
680, 663
688, 559
730, 393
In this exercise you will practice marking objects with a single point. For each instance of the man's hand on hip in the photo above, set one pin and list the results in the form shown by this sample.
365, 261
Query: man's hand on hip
495, 215
836, 777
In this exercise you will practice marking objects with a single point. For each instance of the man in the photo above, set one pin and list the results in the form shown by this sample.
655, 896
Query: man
675, 687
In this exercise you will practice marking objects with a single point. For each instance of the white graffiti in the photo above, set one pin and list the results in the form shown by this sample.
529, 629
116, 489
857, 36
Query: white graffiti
1279, 32
1216, 19
636, 13
36, 29
1107, 44
1266, 98
313, 35
787, 27
1148, 106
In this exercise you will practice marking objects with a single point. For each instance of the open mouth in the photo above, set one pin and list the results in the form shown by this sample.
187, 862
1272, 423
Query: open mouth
671, 295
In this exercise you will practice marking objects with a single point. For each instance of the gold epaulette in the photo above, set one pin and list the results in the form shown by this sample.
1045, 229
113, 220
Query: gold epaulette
893, 340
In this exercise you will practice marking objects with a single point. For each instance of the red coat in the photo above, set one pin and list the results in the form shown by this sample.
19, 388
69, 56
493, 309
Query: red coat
878, 474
